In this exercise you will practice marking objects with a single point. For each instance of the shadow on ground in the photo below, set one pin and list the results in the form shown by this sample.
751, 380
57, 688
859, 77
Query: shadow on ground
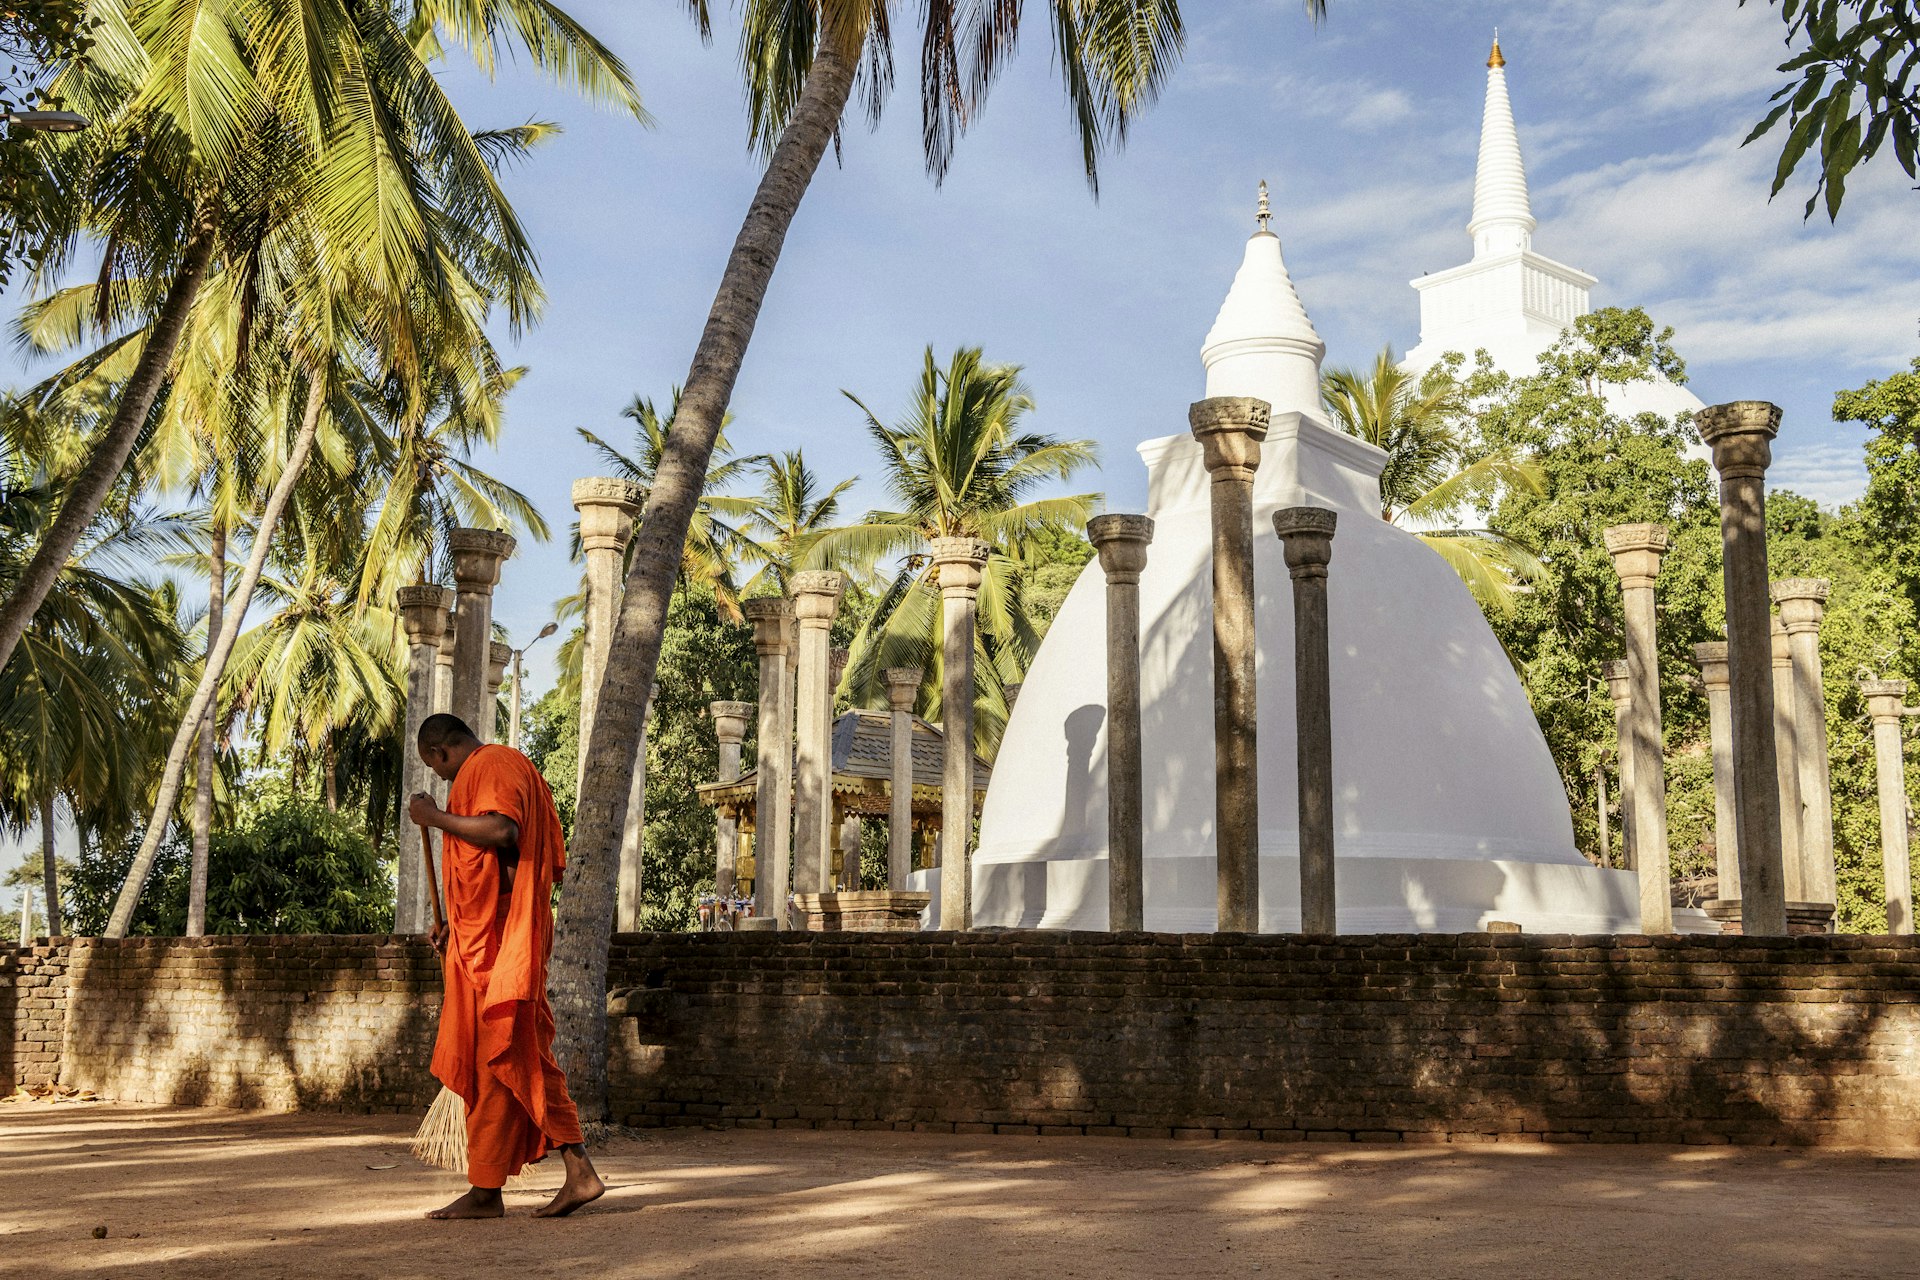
198, 1193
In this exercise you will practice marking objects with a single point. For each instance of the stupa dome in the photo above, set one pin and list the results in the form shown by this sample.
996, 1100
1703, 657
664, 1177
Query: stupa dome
1449, 812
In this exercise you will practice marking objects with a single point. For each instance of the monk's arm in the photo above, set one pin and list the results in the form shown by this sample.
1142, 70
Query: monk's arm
495, 831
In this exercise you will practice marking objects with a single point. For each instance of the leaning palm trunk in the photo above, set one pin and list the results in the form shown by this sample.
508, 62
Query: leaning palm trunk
49, 870
203, 769
108, 457
217, 654
578, 982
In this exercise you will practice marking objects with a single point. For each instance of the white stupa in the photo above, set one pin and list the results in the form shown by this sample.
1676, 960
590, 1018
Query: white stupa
1448, 809
1507, 299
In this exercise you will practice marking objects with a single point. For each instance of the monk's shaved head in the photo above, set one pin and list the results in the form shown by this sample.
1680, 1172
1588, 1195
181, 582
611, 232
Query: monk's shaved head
441, 731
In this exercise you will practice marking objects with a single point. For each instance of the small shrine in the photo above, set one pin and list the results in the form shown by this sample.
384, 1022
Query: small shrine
862, 770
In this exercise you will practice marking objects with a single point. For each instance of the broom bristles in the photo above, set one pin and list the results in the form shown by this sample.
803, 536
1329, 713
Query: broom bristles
442, 1139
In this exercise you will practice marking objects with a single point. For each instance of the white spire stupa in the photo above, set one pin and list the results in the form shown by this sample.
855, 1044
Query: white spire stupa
1508, 300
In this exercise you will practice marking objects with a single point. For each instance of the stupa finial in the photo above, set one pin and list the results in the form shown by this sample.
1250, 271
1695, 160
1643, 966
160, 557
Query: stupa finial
1496, 58
1263, 212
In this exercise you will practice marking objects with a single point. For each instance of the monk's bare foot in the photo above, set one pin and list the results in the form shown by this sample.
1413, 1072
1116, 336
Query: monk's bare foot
583, 1185
479, 1202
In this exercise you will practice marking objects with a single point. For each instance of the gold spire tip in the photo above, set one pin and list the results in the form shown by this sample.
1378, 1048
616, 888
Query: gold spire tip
1496, 59
1263, 212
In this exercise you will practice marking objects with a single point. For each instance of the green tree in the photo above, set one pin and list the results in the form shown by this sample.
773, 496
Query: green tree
1852, 89
714, 543
1598, 469
319, 666
289, 866
94, 678
289, 168
961, 464
1890, 409
787, 519
1432, 477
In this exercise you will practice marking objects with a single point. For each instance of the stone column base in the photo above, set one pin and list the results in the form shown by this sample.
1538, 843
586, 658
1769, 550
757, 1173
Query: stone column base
1802, 917
756, 924
867, 911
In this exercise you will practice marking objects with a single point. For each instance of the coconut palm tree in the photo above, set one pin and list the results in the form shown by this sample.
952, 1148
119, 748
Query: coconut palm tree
714, 543
960, 464
788, 518
1431, 478
94, 676
417, 471
320, 664
215, 137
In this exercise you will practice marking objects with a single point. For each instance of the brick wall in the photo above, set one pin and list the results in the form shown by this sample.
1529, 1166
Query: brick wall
33, 998
315, 1023
1430, 1038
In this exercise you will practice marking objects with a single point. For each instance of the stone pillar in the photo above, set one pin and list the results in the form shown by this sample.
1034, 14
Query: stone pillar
608, 508
1885, 704
1620, 689
1712, 659
443, 703
1740, 435
633, 834
1802, 604
837, 660
850, 832
1122, 541
772, 822
729, 728
1636, 550
1230, 429
1308, 535
423, 612
498, 656
816, 595
443, 665
1786, 768
960, 563
1011, 692
477, 556
903, 686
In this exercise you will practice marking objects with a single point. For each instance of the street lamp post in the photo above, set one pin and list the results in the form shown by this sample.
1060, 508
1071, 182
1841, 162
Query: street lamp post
513, 718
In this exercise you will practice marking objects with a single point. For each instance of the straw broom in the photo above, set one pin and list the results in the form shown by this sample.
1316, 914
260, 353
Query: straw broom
442, 1139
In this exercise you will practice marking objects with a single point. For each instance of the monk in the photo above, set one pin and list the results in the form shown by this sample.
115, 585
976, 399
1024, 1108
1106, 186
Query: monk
501, 855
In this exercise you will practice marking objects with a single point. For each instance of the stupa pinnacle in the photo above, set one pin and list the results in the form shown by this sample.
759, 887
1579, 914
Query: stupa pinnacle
1502, 215
1508, 299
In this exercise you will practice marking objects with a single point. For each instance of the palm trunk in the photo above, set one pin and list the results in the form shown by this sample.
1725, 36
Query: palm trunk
217, 656
108, 457
330, 774
49, 869
203, 772
578, 977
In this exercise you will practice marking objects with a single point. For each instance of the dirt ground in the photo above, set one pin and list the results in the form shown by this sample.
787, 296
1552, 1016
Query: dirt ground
194, 1193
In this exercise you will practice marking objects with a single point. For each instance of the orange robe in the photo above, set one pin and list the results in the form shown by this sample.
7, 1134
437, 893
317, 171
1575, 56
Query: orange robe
495, 1047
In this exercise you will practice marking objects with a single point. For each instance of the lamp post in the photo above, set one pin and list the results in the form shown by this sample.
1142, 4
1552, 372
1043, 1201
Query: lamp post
513, 714
48, 121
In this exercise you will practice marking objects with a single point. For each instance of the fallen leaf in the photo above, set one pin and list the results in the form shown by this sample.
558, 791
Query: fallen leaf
383, 1166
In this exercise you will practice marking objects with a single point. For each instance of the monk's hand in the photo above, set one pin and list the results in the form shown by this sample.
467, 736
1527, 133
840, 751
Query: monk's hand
438, 937
422, 811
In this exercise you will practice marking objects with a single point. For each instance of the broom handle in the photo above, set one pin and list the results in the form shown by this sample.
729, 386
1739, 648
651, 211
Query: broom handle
433, 887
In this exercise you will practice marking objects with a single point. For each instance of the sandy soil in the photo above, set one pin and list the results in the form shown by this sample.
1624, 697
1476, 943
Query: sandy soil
211, 1193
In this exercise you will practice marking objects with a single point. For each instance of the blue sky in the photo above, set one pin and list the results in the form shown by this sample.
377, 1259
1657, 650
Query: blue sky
1630, 115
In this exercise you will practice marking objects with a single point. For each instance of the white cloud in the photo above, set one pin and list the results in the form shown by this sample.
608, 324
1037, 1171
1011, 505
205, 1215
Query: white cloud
1830, 474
